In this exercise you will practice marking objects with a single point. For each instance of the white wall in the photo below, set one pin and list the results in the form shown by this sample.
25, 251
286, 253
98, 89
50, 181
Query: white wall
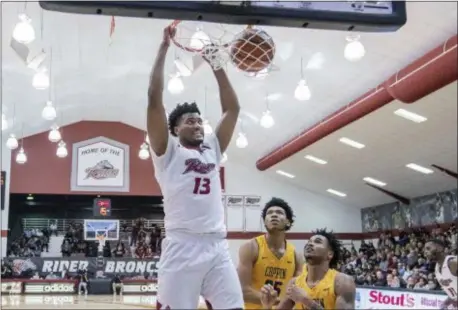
312, 210
5, 166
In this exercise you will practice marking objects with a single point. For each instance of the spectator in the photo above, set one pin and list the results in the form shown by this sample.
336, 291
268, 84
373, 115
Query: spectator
116, 285
421, 284
120, 250
393, 281
66, 248
36, 276
53, 228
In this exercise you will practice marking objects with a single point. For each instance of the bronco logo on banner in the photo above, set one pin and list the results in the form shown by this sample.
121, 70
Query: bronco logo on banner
2, 193
130, 267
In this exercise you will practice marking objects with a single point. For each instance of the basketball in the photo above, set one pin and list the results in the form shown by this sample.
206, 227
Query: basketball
253, 50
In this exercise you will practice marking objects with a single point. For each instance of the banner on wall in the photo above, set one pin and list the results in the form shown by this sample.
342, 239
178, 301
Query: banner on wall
397, 299
252, 201
3, 189
24, 267
100, 165
425, 210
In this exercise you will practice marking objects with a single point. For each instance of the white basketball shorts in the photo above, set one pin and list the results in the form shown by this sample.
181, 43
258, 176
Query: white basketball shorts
191, 266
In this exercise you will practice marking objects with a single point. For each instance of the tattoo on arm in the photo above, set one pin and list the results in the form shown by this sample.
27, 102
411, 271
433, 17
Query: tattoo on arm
346, 293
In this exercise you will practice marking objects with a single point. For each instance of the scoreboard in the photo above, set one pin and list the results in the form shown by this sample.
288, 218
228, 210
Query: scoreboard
102, 207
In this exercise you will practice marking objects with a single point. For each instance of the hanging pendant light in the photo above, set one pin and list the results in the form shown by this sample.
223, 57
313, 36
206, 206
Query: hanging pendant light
49, 112
23, 31
54, 134
41, 80
62, 151
21, 157
144, 152
12, 143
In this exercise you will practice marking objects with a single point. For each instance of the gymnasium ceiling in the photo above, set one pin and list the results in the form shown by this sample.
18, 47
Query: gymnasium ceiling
93, 80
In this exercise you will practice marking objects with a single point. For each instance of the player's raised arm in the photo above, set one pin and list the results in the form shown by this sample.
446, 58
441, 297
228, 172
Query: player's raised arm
155, 117
230, 108
299, 263
453, 266
345, 292
247, 257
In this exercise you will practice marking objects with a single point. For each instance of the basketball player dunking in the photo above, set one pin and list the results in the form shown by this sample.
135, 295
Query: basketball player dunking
268, 261
319, 286
195, 256
446, 270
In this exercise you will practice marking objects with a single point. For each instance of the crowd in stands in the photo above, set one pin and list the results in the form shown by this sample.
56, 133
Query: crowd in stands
398, 262
142, 242
145, 243
30, 244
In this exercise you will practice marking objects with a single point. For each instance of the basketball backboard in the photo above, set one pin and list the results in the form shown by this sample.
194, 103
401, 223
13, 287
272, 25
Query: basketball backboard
368, 16
93, 229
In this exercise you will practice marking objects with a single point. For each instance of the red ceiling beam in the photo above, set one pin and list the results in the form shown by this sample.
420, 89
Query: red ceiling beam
431, 72
446, 171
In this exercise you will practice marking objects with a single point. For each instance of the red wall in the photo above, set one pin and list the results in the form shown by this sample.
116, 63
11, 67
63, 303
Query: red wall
45, 173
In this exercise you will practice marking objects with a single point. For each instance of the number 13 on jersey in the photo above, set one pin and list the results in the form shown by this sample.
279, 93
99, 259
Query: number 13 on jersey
201, 186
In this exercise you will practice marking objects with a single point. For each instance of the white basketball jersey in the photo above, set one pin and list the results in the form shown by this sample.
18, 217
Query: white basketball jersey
446, 279
191, 186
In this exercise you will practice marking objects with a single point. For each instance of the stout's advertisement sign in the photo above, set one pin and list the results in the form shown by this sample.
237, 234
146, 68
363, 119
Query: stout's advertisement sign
102, 266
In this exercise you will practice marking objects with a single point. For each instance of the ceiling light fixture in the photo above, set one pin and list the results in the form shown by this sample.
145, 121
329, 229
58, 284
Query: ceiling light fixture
41, 80
419, 168
49, 112
242, 141
144, 152
21, 157
352, 143
62, 151
316, 159
12, 143
354, 50
175, 85
337, 193
267, 120
23, 31
416, 118
302, 91
374, 181
285, 174
54, 134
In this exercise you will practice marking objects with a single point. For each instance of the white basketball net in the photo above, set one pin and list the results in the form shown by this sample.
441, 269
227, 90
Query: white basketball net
215, 41
101, 239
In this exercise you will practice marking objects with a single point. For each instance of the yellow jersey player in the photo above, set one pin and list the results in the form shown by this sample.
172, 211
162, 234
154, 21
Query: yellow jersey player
269, 260
319, 286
